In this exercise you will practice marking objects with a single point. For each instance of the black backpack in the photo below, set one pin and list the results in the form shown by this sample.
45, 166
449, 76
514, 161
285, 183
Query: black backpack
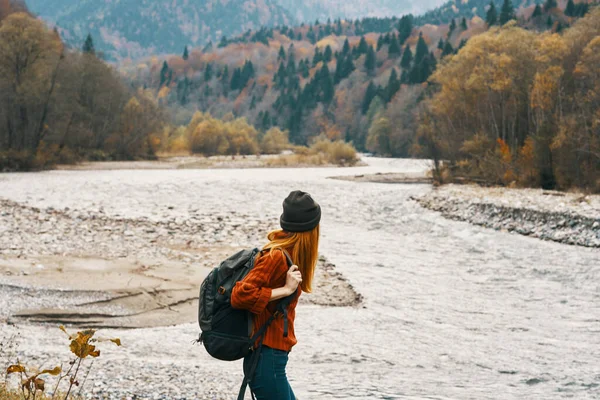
227, 332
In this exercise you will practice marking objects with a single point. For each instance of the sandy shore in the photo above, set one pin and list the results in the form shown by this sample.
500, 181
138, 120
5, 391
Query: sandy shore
391, 178
196, 162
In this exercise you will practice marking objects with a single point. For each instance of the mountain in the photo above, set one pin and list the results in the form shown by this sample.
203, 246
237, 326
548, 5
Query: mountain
135, 28
311, 10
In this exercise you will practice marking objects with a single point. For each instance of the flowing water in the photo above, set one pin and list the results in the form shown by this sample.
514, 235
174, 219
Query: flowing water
450, 310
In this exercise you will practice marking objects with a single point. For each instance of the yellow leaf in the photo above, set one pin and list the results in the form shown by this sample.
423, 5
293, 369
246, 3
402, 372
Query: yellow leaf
116, 341
55, 371
15, 369
80, 345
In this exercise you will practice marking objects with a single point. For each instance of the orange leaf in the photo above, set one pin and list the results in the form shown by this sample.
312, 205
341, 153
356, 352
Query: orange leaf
15, 369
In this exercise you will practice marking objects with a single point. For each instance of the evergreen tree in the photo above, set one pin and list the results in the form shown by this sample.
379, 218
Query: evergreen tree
405, 28
279, 77
422, 49
581, 9
311, 35
448, 49
328, 55
461, 44
339, 69
432, 64
570, 9
186, 54
463, 24
371, 61
393, 86
223, 42
369, 96
537, 12
404, 77
208, 72
491, 16
348, 66
363, 47
379, 42
559, 27
407, 58
452, 27
394, 48
235, 83
225, 76
549, 5
281, 55
183, 90
549, 21
304, 69
420, 72
88, 45
326, 84
507, 12
346, 49
266, 121
246, 74
291, 64
318, 57
164, 74
441, 44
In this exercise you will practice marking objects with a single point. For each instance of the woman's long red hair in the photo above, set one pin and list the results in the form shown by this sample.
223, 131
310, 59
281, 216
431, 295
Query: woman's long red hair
303, 248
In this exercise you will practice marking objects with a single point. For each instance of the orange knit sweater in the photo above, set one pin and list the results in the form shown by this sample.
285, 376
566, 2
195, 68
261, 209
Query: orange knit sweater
254, 292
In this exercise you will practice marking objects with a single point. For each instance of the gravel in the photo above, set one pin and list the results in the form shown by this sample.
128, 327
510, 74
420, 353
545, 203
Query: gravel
568, 218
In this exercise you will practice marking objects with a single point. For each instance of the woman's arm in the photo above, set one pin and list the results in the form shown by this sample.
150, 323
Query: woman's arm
252, 293
292, 281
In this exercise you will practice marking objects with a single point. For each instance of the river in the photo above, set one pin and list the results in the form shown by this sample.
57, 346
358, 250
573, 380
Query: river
450, 311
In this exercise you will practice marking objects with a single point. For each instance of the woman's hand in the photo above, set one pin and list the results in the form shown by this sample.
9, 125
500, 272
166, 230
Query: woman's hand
293, 279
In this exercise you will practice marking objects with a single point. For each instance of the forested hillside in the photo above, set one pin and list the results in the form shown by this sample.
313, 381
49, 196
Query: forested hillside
479, 8
135, 28
340, 79
58, 105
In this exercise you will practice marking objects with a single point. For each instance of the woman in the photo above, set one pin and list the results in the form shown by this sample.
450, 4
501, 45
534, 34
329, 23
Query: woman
271, 280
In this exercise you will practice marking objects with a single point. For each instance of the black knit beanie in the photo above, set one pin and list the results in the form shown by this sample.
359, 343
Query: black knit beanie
300, 213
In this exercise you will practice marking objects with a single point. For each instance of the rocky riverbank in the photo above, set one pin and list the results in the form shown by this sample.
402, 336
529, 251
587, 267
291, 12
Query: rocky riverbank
569, 218
90, 269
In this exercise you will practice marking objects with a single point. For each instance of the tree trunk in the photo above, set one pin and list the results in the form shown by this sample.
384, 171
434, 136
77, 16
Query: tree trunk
39, 134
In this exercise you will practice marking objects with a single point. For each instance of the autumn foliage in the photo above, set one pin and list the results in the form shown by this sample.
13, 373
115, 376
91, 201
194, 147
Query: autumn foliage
519, 107
59, 105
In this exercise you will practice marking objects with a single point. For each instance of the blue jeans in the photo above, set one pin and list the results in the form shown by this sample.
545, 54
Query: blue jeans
270, 381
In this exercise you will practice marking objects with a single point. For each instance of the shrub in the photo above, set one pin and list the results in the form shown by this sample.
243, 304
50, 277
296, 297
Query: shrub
338, 152
274, 141
13, 160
